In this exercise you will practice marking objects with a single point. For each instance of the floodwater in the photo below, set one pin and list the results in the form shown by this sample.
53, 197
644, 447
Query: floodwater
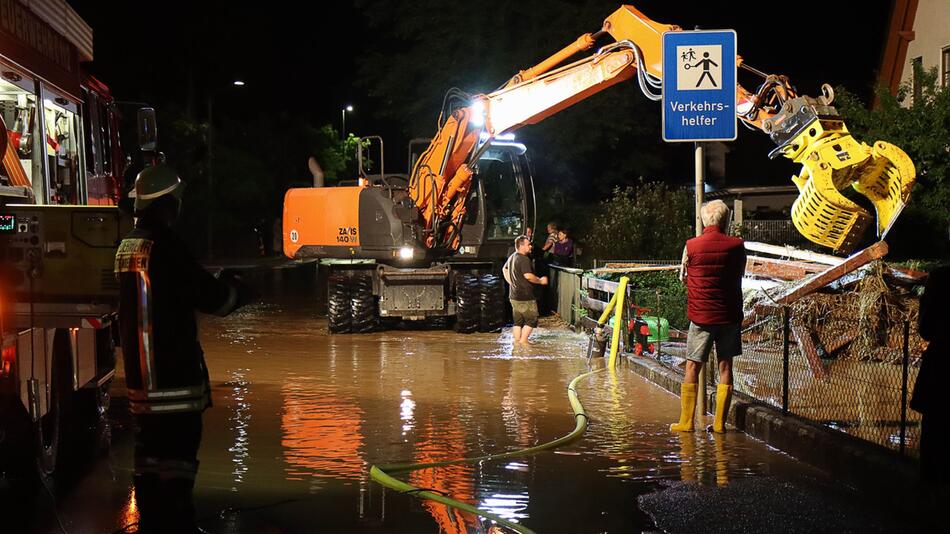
300, 415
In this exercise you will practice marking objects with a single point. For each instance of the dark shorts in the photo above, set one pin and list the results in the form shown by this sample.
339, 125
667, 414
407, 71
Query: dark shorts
525, 312
700, 339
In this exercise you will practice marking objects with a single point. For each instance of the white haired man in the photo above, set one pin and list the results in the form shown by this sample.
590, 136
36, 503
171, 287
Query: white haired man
713, 265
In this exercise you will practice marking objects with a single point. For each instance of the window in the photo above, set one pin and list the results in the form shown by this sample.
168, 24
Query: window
62, 149
89, 125
22, 163
945, 66
504, 217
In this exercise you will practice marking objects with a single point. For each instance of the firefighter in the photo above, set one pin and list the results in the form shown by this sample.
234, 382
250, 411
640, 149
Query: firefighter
161, 287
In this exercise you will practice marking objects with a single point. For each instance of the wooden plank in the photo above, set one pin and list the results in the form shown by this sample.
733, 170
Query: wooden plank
600, 285
820, 280
840, 341
592, 304
587, 323
792, 252
781, 269
806, 343
640, 269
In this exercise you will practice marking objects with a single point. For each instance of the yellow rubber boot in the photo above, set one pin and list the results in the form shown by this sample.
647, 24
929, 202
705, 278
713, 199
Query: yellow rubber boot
687, 408
723, 398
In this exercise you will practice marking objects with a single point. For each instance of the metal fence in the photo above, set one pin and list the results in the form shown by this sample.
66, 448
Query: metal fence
837, 360
836, 369
779, 231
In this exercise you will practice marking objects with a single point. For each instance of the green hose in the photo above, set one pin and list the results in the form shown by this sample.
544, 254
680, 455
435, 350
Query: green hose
379, 474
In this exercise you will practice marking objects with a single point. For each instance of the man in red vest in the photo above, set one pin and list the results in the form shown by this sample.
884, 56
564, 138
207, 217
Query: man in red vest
713, 266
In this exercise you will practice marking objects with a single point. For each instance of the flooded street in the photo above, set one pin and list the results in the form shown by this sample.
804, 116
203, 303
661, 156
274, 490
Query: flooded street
300, 415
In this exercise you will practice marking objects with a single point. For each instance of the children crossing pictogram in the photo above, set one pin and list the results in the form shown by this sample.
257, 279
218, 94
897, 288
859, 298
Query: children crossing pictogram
705, 73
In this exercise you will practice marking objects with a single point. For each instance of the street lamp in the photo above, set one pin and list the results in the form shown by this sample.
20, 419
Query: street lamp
343, 131
211, 199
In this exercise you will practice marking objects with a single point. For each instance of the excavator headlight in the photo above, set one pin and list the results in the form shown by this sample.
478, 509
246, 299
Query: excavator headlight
406, 253
478, 114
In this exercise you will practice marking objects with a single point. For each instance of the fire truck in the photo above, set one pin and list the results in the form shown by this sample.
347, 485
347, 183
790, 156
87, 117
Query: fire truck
60, 184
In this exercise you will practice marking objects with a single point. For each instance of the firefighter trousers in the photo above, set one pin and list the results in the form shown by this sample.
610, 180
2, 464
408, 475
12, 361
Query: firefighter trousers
166, 463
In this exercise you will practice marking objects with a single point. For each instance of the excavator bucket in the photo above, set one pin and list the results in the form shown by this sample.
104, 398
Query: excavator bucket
832, 161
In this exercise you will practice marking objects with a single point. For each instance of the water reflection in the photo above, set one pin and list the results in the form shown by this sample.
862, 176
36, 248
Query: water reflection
406, 408
321, 431
239, 420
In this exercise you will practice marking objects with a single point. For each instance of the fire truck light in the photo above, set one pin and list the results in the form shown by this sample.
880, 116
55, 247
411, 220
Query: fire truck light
406, 253
6, 362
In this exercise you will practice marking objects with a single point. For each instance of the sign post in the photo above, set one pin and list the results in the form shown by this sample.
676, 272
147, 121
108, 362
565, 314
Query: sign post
699, 104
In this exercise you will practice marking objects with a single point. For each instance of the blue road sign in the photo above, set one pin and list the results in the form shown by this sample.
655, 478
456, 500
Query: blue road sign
699, 86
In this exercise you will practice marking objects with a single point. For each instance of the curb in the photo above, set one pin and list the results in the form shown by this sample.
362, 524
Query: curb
848, 457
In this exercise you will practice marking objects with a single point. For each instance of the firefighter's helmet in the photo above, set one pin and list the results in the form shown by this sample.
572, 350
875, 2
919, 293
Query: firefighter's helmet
154, 182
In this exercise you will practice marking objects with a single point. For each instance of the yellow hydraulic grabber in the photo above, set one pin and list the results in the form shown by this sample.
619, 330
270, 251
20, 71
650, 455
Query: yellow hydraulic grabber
810, 131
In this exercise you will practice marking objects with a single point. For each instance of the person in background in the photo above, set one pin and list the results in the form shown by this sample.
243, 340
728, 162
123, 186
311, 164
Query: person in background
564, 249
713, 266
547, 249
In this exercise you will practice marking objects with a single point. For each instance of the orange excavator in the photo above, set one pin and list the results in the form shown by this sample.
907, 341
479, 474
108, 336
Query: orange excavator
429, 252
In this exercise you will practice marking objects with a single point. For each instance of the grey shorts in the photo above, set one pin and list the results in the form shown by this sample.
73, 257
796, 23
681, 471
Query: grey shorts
700, 339
525, 312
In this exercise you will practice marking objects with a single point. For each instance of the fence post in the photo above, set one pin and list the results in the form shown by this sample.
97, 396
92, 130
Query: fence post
785, 340
904, 387
659, 329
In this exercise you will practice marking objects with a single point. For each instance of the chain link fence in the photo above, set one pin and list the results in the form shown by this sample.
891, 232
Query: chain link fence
829, 360
779, 231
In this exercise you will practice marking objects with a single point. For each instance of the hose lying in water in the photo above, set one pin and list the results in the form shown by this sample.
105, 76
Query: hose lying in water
380, 475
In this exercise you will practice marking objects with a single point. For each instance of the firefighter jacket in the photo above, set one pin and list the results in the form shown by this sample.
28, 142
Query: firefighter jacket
161, 286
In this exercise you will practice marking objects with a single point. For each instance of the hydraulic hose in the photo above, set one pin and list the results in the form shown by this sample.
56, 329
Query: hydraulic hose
381, 474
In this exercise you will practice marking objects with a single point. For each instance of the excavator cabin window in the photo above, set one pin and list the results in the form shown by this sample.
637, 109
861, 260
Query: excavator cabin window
502, 188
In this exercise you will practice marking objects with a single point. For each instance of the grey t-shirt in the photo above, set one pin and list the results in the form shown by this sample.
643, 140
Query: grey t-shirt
521, 288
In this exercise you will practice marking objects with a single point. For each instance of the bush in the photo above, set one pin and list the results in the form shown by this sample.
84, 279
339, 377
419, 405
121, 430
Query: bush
651, 221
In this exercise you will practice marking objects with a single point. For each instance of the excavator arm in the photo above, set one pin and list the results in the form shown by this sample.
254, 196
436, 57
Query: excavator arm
806, 130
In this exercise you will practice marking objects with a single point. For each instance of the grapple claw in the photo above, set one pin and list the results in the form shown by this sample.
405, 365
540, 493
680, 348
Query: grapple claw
832, 161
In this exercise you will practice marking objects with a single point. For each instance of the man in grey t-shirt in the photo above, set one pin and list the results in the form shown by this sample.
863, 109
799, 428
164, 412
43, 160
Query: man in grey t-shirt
523, 305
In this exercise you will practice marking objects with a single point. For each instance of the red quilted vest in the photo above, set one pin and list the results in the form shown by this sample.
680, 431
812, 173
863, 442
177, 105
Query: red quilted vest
714, 269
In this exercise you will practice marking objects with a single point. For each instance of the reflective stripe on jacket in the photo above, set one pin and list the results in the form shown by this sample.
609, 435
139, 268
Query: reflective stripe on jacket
160, 288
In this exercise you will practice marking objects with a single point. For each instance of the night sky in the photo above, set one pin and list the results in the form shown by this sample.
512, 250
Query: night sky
305, 55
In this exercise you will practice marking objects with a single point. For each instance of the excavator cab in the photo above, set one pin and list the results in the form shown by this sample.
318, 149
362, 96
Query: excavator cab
501, 203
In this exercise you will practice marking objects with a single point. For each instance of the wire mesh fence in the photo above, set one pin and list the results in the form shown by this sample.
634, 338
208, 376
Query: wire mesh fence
830, 361
768, 231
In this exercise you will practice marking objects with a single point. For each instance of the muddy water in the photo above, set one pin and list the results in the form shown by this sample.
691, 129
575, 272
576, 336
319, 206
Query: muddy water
300, 416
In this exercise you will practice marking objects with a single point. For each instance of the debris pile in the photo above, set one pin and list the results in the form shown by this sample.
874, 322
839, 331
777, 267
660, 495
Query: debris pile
839, 309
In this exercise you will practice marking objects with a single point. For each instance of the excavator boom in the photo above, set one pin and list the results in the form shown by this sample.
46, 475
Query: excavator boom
806, 130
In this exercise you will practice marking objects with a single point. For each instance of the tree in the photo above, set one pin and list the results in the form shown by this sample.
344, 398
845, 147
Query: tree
256, 159
920, 125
